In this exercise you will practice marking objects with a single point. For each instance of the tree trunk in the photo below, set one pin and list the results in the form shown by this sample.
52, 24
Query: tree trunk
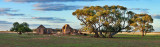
142, 33
145, 32
102, 34
96, 34
105, 33
20, 33
109, 36
114, 33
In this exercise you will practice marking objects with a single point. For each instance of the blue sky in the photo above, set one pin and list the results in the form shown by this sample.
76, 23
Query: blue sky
56, 13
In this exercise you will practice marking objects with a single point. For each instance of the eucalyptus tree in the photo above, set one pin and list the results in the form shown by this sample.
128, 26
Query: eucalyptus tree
117, 19
20, 28
89, 19
108, 19
142, 22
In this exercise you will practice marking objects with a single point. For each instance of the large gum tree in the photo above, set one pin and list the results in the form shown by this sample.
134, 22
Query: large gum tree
107, 19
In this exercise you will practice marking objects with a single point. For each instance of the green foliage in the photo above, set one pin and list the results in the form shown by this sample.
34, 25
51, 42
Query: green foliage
115, 17
142, 22
111, 17
20, 28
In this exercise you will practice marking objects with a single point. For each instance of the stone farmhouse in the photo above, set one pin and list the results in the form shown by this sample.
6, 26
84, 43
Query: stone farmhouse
66, 29
42, 30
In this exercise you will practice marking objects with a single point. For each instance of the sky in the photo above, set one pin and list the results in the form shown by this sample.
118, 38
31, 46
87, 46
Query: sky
57, 13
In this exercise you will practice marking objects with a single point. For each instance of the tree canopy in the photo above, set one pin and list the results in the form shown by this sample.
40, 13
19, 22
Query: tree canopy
142, 22
107, 19
20, 28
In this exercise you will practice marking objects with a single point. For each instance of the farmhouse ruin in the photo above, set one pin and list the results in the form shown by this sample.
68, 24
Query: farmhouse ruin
42, 30
66, 29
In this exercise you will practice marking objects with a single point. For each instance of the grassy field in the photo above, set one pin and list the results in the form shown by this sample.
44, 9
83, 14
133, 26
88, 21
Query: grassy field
120, 40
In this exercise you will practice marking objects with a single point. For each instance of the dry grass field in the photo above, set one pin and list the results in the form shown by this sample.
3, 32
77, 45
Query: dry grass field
139, 33
119, 40
11, 39
134, 33
7, 32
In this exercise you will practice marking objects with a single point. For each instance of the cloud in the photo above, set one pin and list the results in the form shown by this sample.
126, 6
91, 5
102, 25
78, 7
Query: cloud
51, 19
28, 1
122, 0
15, 14
38, 25
5, 25
44, 1
156, 16
48, 18
34, 26
54, 7
138, 9
5, 22
142, 10
5, 11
